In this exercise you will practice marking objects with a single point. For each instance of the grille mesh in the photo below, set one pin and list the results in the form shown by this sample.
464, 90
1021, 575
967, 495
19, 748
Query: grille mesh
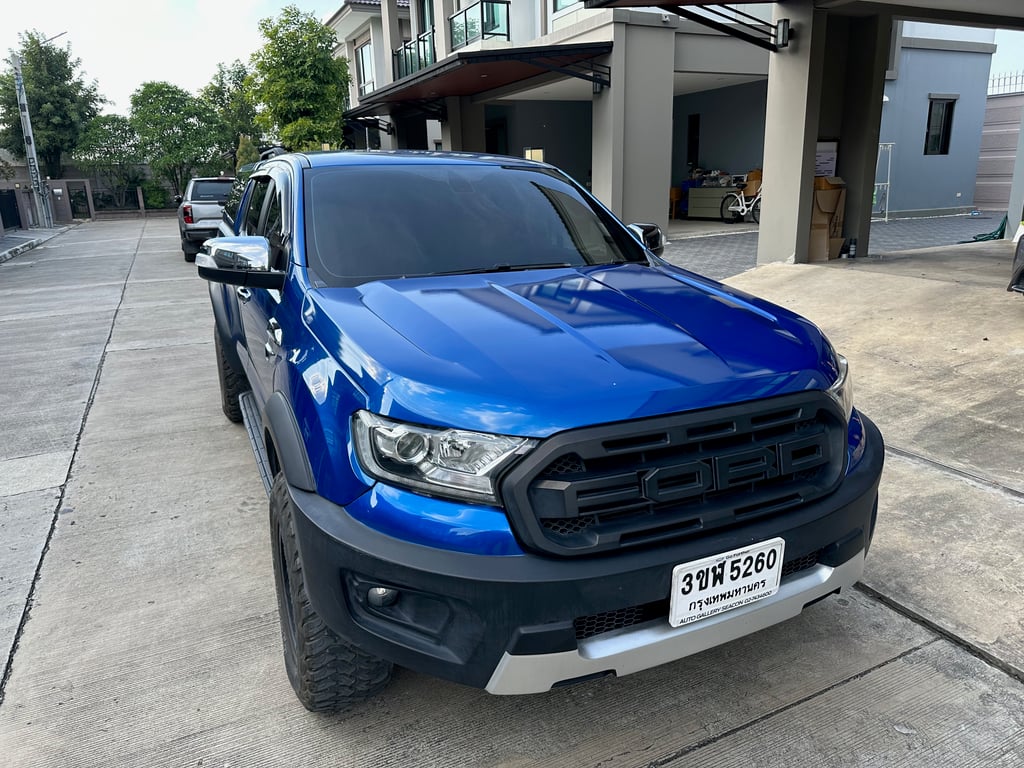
667, 478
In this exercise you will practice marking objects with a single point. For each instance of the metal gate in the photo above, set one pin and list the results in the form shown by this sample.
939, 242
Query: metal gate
9, 216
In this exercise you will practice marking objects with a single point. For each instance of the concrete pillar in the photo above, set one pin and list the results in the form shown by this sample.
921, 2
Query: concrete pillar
1015, 213
631, 161
414, 17
864, 85
353, 72
463, 131
791, 135
392, 39
442, 32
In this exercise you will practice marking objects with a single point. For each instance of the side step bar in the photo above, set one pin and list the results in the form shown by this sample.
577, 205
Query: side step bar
254, 429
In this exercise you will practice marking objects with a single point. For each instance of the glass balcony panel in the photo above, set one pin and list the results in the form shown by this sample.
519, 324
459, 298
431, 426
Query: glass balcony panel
483, 20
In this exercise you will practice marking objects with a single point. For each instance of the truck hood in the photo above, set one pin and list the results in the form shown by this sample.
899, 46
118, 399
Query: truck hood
533, 353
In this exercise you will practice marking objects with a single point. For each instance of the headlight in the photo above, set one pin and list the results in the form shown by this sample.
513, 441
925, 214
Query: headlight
441, 462
842, 389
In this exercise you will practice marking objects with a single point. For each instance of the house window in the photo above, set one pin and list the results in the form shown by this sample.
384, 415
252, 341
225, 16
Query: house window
364, 67
940, 125
561, 5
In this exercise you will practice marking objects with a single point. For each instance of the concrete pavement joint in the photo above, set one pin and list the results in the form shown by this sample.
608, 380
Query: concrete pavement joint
9, 666
664, 761
944, 634
963, 474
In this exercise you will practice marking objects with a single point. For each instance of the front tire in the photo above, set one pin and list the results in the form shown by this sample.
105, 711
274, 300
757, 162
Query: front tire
755, 212
327, 673
232, 383
730, 216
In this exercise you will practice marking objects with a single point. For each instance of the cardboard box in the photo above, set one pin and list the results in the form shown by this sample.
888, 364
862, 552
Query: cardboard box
817, 248
822, 247
829, 205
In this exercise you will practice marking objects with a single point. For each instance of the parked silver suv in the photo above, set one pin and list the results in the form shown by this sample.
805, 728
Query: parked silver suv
200, 210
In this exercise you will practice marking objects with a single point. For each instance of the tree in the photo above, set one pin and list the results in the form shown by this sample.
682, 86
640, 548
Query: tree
178, 131
298, 84
60, 102
226, 93
111, 149
246, 152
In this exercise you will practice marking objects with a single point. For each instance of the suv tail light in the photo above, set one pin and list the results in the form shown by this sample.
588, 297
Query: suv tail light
186, 212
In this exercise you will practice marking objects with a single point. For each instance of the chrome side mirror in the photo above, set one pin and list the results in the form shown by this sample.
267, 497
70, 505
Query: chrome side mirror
238, 261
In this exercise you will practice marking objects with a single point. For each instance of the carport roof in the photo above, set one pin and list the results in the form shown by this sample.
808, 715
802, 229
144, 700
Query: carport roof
467, 73
994, 13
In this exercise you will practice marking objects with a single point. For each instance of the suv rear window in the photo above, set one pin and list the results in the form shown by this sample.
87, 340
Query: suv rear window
378, 222
209, 191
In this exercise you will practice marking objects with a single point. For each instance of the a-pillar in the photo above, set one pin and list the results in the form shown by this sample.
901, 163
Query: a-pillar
632, 123
791, 135
1015, 213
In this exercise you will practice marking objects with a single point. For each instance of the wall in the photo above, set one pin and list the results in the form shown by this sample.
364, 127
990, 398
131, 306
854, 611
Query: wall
930, 183
562, 128
731, 128
998, 151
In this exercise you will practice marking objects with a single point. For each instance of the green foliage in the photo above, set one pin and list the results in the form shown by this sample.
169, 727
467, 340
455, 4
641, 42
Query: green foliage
226, 93
60, 102
6, 169
179, 133
155, 194
299, 86
111, 150
246, 152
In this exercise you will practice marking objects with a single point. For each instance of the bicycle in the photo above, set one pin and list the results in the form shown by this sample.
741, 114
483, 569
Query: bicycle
736, 206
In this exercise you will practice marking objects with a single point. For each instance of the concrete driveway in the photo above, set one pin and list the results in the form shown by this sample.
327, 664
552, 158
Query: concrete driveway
137, 612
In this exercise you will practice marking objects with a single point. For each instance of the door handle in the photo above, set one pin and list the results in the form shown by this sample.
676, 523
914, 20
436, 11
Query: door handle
243, 293
274, 331
274, 338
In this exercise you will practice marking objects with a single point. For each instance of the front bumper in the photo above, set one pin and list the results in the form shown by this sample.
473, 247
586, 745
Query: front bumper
506, 623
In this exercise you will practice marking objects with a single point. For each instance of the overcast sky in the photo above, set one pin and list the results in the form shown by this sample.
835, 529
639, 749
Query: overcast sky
182, 41
124, 43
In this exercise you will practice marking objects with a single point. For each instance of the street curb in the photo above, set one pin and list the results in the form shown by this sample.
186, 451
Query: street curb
29, 245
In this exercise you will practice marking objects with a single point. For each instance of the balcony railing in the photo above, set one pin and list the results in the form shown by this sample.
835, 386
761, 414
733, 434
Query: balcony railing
414, 55
480, 21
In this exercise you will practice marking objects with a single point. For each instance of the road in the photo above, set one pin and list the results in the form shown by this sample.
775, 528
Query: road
138, 614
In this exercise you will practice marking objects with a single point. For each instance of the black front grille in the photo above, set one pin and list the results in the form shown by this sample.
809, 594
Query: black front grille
599, 623
624, 485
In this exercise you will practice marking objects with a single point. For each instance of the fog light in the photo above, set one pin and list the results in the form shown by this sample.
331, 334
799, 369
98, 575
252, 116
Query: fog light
381, 597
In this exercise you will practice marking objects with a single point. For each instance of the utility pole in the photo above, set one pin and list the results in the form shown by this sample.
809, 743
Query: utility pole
44, 210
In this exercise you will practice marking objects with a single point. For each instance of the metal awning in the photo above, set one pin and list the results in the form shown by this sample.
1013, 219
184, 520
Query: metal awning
467, 73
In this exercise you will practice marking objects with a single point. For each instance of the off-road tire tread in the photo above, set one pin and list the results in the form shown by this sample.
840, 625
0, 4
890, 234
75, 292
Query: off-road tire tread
232, 384
327, 673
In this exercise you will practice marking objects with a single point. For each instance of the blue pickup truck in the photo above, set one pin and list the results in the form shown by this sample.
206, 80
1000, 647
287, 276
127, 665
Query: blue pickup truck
508, 445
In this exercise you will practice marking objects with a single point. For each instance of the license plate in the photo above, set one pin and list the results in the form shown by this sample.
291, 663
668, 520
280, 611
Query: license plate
719, 583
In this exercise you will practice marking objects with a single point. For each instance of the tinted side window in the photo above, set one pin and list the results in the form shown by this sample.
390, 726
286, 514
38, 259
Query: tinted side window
251, 222
273, 227
234, 197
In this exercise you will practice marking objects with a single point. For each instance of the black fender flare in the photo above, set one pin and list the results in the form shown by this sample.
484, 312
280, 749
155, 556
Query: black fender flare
279, 421
228, 324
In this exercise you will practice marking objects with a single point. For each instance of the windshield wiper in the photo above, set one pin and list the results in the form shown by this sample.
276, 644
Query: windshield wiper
504, 268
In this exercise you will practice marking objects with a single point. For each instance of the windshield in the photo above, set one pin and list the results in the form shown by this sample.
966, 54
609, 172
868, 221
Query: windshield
209, 191
375, 222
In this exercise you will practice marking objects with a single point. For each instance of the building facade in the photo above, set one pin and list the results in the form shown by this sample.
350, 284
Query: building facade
605, 94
